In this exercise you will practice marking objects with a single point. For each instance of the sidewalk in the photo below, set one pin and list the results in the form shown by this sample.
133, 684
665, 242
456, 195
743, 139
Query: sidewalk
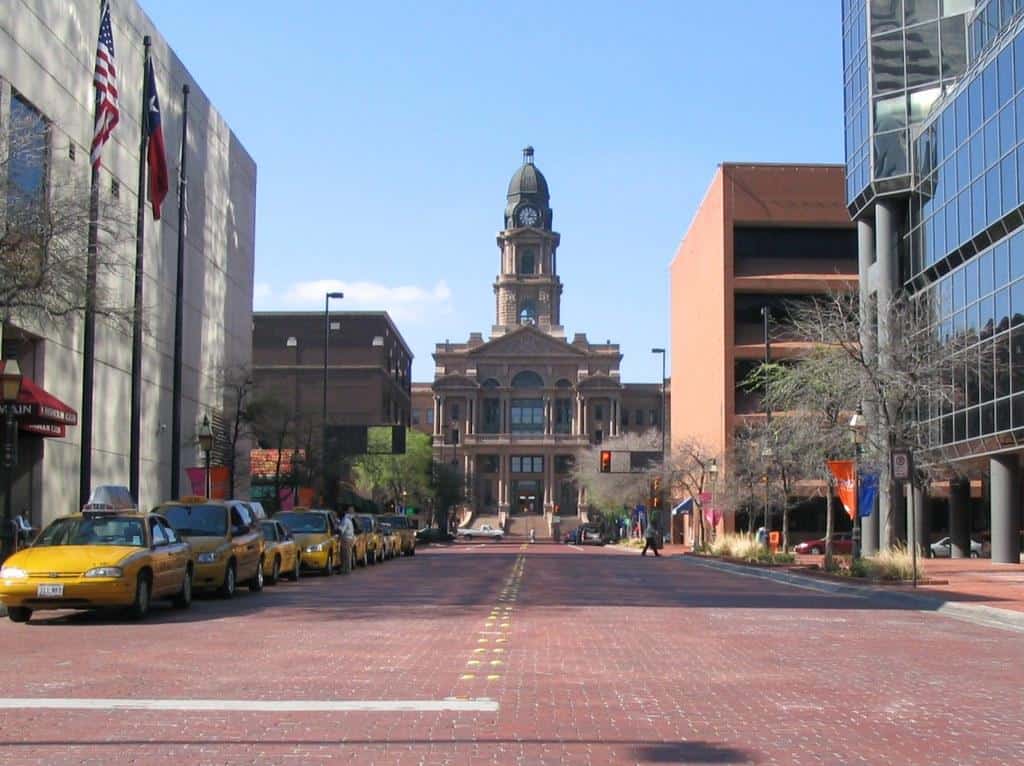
974, 590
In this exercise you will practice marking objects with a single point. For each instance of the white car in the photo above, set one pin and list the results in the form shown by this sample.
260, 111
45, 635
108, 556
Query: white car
943, 549
484, 530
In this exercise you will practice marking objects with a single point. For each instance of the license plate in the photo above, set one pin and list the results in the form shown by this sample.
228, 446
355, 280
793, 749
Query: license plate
50, 591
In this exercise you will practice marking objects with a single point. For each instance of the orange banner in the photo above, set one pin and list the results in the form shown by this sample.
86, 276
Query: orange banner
844, 473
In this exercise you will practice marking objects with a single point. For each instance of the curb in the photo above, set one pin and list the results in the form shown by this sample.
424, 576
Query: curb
3, 610
978, 614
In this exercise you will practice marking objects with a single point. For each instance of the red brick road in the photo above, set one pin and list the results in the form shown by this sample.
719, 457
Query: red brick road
593, 656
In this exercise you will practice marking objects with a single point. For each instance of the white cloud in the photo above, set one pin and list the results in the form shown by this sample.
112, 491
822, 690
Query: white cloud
402, 302
261, 292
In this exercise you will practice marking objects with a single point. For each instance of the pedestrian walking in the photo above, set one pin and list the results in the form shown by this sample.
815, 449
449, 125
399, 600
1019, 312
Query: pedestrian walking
651, 539
762, 536
348, 540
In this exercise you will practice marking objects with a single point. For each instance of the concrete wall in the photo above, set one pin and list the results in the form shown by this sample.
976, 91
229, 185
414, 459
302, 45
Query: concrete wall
47, 53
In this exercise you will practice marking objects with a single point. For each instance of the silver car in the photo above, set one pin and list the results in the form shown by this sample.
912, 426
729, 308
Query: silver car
943, 549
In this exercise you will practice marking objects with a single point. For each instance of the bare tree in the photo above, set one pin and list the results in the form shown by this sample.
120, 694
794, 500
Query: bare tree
276, 423
839, 373
44, 232
611, 492
687, 471
240, 406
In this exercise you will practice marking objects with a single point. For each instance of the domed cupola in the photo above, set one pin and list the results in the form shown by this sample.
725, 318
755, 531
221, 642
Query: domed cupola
528, 197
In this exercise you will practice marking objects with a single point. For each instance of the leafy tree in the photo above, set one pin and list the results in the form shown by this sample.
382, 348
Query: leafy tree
396, 478
610, 492
688, 472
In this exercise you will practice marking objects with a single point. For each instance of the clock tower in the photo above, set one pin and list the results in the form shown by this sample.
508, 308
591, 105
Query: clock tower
527, 289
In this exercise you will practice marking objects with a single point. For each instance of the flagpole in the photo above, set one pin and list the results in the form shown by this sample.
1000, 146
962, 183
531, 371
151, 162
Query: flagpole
89, 341
140, 236
179, 307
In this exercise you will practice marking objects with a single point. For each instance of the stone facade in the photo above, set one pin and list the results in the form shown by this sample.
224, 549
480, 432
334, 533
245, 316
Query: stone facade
513, 412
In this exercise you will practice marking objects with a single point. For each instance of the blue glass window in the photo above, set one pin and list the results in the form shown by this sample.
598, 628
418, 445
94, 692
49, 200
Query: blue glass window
1016, 257
977, 148
978, 219
985, 273
1005, 66
993, 199
1017, 303
1002, 264
991, 143
963, 121
1008, 171
1007, 133
990, 91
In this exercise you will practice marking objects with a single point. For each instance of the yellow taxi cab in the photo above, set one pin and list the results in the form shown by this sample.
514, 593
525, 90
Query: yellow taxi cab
318, 535
281, 554
392, 540
107, 555
227, 541
374, 540
406, 534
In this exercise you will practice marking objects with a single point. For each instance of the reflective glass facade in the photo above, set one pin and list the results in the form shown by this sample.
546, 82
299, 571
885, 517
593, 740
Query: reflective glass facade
964, 252
899, 57
993, 16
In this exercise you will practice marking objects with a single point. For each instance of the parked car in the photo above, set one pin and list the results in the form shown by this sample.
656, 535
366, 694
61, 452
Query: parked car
407, 535
392, 542
228, 542
484, 530
373, 539
589, 535
431, 535
943, 549
107, 555
842, 542
572, 536
281, 553
318, 534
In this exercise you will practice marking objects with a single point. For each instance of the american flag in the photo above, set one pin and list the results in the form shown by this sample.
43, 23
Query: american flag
105, 80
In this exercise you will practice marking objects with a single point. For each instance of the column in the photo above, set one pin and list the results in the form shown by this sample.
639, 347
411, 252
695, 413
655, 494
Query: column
437, 415
887, 268
577, 416
919, 523
1005, 509
865, 257
585, 416
960, 518
547, 416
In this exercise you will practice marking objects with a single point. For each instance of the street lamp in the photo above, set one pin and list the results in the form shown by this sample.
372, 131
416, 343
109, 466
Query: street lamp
858, 430
323, 412
662, 352
297, 461
205, 436
713, 473
293, 342
10, 389
767, 453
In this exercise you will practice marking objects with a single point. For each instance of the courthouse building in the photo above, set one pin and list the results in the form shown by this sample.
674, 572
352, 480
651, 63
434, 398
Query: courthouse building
934, 107
47, 58
513, 410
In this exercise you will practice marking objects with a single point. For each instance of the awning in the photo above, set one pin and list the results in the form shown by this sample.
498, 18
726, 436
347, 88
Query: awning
684, 507
40, 412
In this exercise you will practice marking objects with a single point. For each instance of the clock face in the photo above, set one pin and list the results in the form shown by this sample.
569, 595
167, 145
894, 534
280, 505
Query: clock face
528, 216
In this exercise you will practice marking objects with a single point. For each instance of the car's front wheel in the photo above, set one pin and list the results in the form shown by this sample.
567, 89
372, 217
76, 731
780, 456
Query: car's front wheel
297, 572
19, 613
183, 600
256, 583
815, 551
143, 591
328, 569
974, 554
227, 588
275, 572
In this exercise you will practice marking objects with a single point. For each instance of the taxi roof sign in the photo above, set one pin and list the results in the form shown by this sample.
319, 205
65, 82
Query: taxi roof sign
109, 498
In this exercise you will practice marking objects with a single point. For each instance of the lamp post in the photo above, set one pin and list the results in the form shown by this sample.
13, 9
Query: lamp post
858, 429
205, 436
297, 461
713, 473
767, 453
662, 352
10, 389
323, 410
293, 342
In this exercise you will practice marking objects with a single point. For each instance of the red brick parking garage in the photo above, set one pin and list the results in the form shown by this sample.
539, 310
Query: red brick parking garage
589, 656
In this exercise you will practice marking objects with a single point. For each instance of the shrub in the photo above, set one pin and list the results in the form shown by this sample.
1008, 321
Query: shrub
893, 563
745, 547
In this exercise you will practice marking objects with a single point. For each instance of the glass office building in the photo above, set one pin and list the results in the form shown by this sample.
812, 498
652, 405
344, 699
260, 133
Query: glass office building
934, 106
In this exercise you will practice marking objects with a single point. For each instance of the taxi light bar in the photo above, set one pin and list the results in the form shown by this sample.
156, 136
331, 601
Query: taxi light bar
109, 498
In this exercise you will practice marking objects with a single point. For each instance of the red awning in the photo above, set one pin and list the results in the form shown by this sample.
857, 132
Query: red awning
41, 412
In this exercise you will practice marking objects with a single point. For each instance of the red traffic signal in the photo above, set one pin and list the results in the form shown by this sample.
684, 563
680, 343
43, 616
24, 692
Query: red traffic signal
606, 461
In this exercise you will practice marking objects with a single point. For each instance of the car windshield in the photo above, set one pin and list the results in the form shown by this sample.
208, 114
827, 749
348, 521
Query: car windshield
112, 530
269, 531
197, 520
398, 522
366, 522
303, 523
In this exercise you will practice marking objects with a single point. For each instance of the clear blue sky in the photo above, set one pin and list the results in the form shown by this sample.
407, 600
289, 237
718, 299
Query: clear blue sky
385, 134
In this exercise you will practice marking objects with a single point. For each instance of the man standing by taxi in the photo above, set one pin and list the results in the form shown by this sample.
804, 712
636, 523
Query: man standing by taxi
348, 539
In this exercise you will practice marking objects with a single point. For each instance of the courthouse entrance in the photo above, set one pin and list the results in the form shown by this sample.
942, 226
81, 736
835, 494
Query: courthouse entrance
527, 497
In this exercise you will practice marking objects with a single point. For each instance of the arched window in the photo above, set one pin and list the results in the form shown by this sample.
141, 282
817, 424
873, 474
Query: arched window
527, 379
491, 407
528, 313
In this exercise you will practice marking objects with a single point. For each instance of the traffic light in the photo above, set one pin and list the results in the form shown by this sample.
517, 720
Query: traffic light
606, 461
656, 492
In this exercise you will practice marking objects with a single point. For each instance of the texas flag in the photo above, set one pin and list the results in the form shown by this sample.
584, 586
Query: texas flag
156, 157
